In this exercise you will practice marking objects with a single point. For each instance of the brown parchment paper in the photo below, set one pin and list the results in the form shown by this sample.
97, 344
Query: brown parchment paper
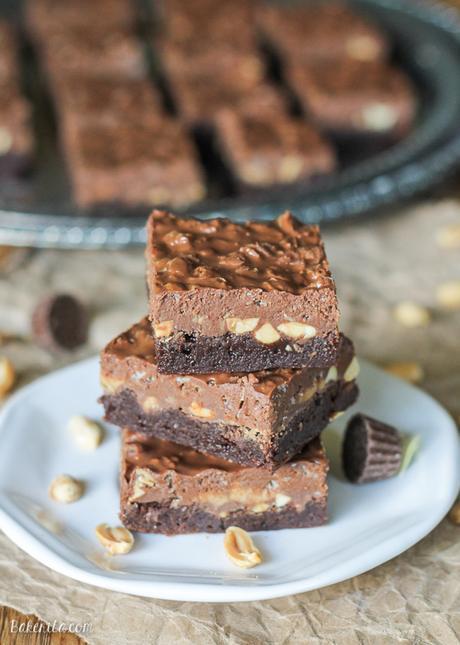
415, 598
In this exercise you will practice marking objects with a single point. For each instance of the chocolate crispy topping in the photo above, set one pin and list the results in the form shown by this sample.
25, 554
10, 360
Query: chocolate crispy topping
283, 255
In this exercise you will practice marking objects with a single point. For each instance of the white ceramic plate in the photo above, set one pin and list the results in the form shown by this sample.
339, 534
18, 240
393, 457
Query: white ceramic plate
368, 524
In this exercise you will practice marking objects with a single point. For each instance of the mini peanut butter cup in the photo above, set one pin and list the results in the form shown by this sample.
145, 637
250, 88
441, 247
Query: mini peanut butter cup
372, 450
60, 322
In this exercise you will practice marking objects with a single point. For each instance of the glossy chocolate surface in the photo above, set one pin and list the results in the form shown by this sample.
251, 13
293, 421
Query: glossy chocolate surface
283, 255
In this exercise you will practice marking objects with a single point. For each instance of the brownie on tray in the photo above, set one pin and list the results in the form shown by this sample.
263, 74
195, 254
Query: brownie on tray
346, 98
264, 151
16, 134
198, 58
318, 31
132, 163
117, 53
199, 98
167, 488
252, 419
46, 16
105, 100
209, 20
228, 297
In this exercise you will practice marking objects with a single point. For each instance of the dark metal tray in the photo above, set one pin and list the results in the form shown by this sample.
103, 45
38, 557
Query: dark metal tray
427, 45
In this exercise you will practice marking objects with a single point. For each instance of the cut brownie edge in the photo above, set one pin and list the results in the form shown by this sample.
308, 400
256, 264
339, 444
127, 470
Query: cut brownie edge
228, 441
160, 518
192, 354
124, 410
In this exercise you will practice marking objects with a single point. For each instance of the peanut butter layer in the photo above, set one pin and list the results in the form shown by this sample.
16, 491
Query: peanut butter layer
261, 403
159, 472
270, 280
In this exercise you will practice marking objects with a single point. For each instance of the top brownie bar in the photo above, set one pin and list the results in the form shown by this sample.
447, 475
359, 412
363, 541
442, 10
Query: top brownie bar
228, 297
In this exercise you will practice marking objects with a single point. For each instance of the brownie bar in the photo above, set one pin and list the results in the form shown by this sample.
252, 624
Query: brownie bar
349, 97
264, 151
47, 16
252, 419
200, 97
198, 58
209, 21
82, 52
228, 297
16, 134
105, 100
132, 163
166, 488
315, 32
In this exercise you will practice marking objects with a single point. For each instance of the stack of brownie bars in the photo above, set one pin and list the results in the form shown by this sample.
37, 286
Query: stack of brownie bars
223, 391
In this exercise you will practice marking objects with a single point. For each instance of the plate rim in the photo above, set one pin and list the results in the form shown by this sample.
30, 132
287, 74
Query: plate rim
218, 592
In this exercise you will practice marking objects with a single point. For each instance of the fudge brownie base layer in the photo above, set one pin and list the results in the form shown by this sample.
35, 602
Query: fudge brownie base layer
185, 353
228, 441
162, 519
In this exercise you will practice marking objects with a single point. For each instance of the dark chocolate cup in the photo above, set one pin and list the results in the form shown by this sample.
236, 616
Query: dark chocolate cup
372, 450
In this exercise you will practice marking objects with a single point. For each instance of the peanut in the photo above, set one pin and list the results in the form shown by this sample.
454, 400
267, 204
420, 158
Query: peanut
352, 370
87, 434
267, 334
281, 500
240, 548
448, 237
411, 372
117, 540
297, 330
163, 329
454, 514
410, 314
241, 325
65, 489
448, 294
7, 376
200, 411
